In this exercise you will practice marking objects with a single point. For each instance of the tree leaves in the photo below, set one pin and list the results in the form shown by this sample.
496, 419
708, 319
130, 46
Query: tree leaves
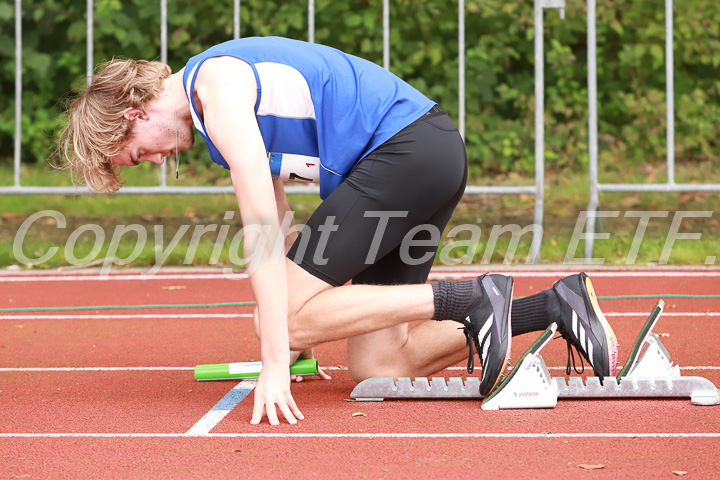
424, 51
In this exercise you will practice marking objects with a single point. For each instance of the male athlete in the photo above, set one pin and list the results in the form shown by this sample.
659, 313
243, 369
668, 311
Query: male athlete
391, 167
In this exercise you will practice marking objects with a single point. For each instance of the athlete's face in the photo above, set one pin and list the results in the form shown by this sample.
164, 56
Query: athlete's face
153, 137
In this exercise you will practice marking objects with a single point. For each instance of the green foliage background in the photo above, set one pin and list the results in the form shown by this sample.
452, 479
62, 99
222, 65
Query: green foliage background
499, 60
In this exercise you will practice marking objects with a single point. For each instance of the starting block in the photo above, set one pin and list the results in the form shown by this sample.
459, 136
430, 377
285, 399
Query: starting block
529, 384
648, 373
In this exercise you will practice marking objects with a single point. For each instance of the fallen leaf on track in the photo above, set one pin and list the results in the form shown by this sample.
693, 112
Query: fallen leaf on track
679, 472
590, 467
359, 414
13, 217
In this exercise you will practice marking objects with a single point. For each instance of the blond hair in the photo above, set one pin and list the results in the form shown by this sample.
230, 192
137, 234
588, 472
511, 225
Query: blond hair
96, 128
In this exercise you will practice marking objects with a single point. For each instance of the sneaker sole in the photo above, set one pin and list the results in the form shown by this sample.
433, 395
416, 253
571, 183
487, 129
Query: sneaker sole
508, 294
609, 333
538, 344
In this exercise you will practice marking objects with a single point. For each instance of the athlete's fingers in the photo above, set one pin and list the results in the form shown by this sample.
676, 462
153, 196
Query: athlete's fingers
287, 413
272, 413
293, 406
258, 411
323, 375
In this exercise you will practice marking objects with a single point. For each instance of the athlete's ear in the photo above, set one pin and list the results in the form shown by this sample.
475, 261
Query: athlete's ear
133, 114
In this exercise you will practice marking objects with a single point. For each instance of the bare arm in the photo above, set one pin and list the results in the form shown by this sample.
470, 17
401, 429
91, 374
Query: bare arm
283, 209
284, 214
227, 91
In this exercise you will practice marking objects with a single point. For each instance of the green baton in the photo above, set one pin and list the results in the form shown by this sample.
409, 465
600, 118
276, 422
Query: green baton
229, 371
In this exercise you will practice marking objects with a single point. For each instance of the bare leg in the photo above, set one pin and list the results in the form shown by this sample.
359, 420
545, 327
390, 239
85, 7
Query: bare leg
376, 317
401, 351
319, 313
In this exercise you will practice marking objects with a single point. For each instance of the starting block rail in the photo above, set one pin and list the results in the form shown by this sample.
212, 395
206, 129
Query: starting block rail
648, 373
379, 388
700, 390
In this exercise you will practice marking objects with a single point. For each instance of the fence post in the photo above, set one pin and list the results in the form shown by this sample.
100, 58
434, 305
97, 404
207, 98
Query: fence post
670, 91
311, 21
90, 53
539, 5
536, 245
18, 93
386, 34
539, 122
592, 129
236, 19
163, 59
461, 65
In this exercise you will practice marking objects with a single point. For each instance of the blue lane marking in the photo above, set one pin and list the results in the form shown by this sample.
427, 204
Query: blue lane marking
230, 401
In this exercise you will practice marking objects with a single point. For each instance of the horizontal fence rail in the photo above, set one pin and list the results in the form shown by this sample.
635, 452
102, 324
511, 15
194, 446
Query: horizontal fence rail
536, 190
595, 186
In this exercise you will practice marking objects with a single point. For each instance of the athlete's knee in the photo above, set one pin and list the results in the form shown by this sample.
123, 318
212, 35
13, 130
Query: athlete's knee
297, 337
362, 369
358, 374
299, 333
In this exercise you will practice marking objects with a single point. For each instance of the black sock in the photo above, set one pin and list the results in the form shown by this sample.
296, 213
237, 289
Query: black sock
455, 300
534, 313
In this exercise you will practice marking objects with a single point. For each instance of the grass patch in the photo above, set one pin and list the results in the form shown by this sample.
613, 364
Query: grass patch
213, 220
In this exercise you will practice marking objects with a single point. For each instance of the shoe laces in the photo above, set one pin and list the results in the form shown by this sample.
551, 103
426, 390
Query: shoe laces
469, 342
571, 355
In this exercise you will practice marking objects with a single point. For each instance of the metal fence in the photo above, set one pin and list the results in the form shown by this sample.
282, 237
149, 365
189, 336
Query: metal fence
537, 190
595, 186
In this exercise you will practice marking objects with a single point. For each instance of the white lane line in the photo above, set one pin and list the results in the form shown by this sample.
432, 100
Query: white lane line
435, 273
369, 435
110, 369
222, 408
94, 369
140, 277
664, 314
151, 369
559, 274
250, 315
126, 317
700, 367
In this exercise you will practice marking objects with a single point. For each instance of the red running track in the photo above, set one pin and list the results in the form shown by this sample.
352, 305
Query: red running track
130, 422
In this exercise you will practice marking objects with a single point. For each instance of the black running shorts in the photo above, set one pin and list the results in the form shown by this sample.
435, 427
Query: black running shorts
383, 224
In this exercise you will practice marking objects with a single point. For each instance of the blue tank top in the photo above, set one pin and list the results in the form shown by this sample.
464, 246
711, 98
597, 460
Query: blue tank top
316, 104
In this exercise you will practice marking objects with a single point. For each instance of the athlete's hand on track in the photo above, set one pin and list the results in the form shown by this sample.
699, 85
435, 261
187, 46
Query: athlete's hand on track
321, 374
272, 393
302, 355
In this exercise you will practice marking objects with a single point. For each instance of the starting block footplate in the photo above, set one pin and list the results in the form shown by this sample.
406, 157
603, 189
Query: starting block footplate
648, 373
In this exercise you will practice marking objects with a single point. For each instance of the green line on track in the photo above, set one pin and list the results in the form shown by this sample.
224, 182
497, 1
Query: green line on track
124, 307
242, 304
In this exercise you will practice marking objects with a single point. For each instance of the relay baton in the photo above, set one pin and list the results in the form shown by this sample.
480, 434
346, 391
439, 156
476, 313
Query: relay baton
229, 371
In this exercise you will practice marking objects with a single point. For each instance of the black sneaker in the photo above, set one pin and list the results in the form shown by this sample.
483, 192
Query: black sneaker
583, 325
488, 327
